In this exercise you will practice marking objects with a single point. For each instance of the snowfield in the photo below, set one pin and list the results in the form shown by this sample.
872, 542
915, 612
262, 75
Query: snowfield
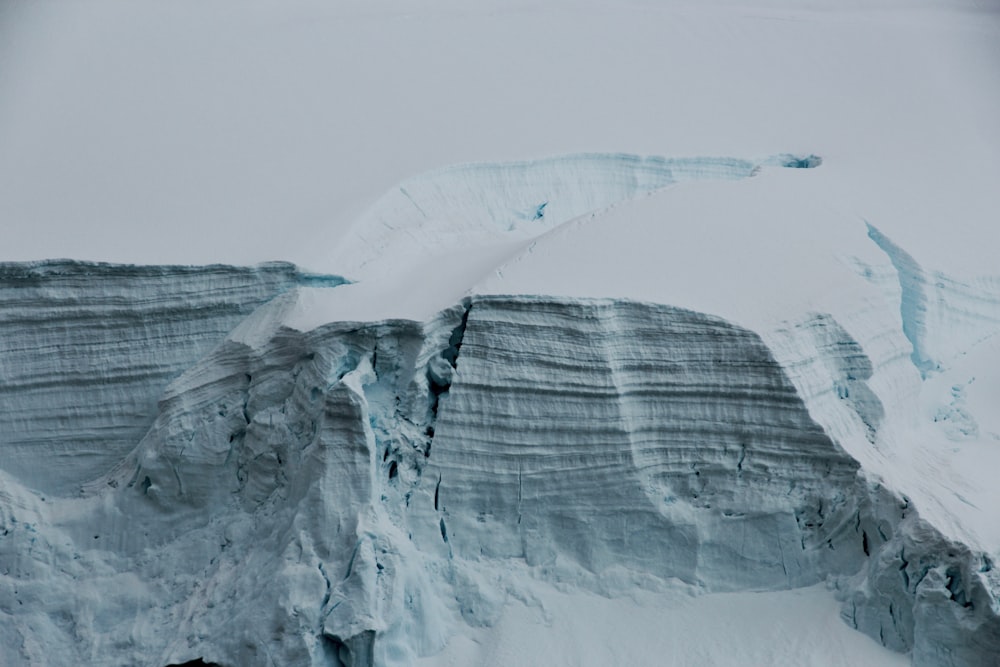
633, 333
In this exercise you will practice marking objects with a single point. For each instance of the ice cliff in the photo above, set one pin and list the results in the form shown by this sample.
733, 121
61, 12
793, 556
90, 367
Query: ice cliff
266, 467
86, 349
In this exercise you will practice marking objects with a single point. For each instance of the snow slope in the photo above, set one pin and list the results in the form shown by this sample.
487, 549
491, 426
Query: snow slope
583, 380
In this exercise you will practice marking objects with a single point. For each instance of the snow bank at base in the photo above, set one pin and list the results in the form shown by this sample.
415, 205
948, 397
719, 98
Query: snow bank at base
578, 629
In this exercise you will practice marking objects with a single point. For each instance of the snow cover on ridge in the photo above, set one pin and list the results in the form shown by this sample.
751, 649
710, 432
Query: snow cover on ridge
447, 211
423, 245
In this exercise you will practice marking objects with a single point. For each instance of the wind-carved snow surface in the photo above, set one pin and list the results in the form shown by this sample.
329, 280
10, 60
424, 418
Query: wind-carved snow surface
474, 204
330, 485
438, 232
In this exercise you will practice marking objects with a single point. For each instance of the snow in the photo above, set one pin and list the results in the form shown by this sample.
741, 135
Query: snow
423, 246
671, 334
799, 627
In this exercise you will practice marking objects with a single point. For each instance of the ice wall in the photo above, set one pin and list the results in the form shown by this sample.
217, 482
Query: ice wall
356, 494
86, 349
589, 436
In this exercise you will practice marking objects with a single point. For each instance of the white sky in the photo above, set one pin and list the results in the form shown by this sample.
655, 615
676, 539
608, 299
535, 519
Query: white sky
241, 132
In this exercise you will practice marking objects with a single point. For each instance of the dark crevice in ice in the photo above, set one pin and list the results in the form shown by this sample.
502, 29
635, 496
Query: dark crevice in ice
956, 588
354, 651
440, 371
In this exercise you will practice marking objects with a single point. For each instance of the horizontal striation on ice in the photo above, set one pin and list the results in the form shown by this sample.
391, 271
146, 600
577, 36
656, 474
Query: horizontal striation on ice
354, 493
86, 349
593, 434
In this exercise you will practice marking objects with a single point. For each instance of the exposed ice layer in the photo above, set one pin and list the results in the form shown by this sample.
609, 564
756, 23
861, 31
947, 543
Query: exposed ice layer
356, 494
697, 416
587, 435
252, 523
471, 204
86, 349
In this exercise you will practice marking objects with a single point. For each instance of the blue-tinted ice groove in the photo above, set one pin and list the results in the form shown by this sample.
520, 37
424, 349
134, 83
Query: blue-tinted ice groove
321, 280
913, 298
792, 161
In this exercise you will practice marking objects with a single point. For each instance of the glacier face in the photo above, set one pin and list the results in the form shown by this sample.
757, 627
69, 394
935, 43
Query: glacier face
673, 445
86, 349
263, 466
359, 492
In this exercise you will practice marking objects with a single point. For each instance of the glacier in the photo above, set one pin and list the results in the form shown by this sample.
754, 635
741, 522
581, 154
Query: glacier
265, 466
447, 334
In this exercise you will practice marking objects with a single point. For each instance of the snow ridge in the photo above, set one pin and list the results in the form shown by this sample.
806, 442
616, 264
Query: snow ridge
479, 203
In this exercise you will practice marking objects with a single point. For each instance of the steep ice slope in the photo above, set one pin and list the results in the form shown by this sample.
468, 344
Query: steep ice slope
317, 459
86, 349
248, 524
673, 446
